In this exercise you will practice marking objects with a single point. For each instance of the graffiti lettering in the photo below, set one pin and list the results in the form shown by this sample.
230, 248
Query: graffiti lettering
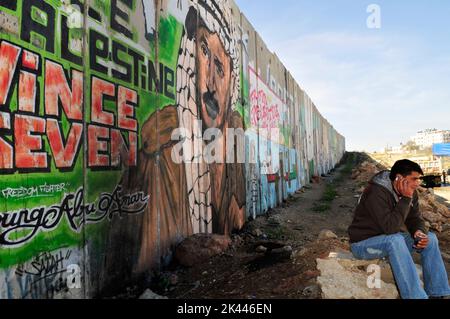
57, 188
12, 5
43, 26
21, 226
20, 192
116, 133
40, 28
57, 89
35, 191
47, 273
9, 56
266, 109
40, 23
134, 69
116, 11
261, 113
44, 264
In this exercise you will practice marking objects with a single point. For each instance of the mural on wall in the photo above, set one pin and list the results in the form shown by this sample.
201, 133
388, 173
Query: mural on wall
65, 119
269, 125
206, 96
265, 120
106, 116
191, 195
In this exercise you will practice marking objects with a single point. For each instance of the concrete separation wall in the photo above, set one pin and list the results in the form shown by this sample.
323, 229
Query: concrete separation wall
106, 108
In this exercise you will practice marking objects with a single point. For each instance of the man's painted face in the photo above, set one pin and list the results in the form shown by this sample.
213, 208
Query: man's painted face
214, 77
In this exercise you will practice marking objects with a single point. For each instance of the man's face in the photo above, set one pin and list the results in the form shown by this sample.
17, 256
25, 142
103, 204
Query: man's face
214, 75
414, 180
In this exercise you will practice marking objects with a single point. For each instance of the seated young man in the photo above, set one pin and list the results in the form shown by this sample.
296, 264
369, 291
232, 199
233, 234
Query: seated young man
387, 223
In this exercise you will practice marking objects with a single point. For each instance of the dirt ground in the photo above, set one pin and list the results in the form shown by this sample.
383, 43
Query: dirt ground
244, 273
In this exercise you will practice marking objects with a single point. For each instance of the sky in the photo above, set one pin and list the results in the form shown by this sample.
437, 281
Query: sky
376, 86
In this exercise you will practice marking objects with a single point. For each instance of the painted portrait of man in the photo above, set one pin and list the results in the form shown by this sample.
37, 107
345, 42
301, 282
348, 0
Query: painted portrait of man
193, 196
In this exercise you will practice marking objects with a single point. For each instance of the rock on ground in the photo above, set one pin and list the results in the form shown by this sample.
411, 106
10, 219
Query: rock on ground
435, 213
339, 281
148, 294
327, 234
200, 247
281, 253
261, 249
344, 277
275, 220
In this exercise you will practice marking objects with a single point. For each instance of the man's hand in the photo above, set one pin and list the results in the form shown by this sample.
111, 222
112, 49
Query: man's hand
424, 240
403, 187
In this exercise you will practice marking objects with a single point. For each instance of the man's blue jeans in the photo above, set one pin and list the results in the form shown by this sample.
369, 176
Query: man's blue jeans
398, 249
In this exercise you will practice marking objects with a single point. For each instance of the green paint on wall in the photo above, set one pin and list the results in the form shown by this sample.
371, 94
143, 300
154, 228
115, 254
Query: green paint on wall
170, 32
103, 5
62, 237
286, 132
55, 3
39, 16
242, 106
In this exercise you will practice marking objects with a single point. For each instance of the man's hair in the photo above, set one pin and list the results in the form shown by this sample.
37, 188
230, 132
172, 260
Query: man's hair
404, 167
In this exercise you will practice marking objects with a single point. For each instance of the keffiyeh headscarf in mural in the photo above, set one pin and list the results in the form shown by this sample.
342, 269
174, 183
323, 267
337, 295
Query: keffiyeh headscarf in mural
216, 16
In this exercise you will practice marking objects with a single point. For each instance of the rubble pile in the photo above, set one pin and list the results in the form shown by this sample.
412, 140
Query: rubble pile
434, 213
364, 172
343, 277
201, 247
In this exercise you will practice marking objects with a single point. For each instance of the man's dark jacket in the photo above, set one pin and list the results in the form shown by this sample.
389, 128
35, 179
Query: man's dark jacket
382, 212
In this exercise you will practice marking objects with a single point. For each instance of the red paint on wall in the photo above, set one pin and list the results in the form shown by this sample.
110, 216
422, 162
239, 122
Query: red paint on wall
27, 92
261, 113
9, 54
125, 111
6, 150
30, 60
272, 178
97, 142
57, 88
64, 155
120, 150
99, 89
28, 140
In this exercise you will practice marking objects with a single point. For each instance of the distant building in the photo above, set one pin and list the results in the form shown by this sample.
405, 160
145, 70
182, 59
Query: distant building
393, 150
429, 164
432, 136
397, 149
